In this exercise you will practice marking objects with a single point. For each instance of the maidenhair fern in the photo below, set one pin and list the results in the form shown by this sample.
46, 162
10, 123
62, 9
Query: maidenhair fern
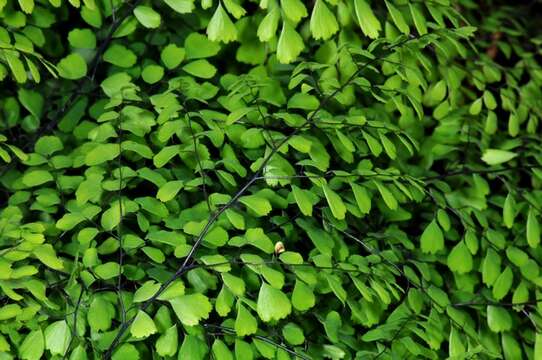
278, 179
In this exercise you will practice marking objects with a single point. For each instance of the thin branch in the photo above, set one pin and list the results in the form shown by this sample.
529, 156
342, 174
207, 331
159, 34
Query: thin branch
266, 339
198, 160
119, 225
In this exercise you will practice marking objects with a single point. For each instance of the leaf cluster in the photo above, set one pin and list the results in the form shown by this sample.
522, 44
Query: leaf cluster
277, 179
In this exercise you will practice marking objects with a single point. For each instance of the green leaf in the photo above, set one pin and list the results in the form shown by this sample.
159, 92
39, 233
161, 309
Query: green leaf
154, 254
165, 155
397, 18
268, 25
57, 337
32, 101
491, 267
37, 177
197, 46
193, 348
460, 259
168, 343
419, 19
509, 211
432, 239
234, 8
373, 144
169, 190
143, 326
498, 319
332, 325
27, 5
147, 16
272, 304
290, 44
120, 56
292, 258
457, 348
216, 262
100, 314
302, 296
200, 68
489, 100
496, 156
237, 114
300, 143
18, 152
323, 23
257, 204
389, 146
175, 289
533, 229
108, 270
444, 220
245, 323
321, 239
102, 153
153, 206
5, 155
216, 237
366, 19
146, 291
33, 346
82, 38
476, 107
181, 6
151, 74
72, 67
362, 198
48, 145
302, 200
274, 277
293, 334
220, 27
387, 196
220, 351
236, 219
243, 350
436, 94
256, 237
116, 84
9, 311
47, 255
172, 56
224, 302
502, 285
337, 288
191, 309
538, 346
513, 125
266, 349
338, 209
303, 101
16, 66
294, 10
511, 348
234, 283
126, 351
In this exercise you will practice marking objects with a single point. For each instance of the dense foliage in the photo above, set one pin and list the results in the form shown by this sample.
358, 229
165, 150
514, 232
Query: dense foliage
278, 179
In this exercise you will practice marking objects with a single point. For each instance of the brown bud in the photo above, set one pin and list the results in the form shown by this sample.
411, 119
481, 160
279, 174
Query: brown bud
279, 247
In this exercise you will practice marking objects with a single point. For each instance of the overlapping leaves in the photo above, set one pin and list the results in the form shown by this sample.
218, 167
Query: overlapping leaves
263, 180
